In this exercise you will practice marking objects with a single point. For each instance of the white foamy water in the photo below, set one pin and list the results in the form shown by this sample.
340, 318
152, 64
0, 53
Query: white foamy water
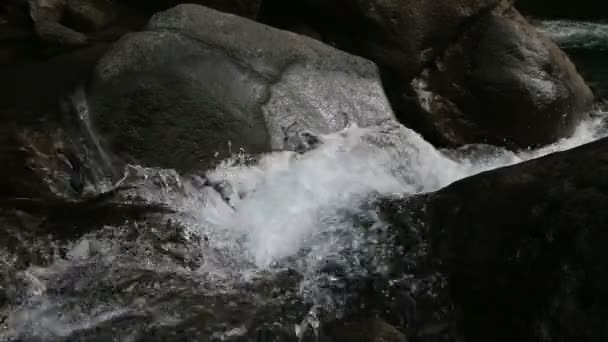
286, 200
576, 34
287, 197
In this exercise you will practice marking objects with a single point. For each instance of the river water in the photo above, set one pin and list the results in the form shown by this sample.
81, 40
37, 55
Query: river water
586, 42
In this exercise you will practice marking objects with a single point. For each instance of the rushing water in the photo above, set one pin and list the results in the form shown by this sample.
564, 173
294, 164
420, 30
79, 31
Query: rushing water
576, 34
281, 210
289, 198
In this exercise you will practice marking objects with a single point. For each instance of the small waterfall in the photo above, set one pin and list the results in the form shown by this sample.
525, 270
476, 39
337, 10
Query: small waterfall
81, 108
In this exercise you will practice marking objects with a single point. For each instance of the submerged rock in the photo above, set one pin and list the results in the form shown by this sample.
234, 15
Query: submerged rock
458, 72
199, 84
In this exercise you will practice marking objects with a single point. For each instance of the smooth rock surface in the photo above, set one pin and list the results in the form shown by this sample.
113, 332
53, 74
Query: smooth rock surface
503, 83
198, 82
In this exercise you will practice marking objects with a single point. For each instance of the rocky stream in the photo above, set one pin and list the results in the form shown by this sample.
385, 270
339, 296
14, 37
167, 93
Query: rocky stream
346, 171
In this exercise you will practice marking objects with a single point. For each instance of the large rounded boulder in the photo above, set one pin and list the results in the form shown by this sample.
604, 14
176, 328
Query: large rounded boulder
458, 72
504, 83
198, 84
402, 36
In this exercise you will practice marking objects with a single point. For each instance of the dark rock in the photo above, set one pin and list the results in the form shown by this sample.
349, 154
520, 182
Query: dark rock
302, 141
56, 33
522, 248
90, 15
584, 9
399, 35
243, 8
33, 167
47, 16
30, 102
61, 24
504, 83
415, 287
370, 330
199, 84
458, 72
47, 10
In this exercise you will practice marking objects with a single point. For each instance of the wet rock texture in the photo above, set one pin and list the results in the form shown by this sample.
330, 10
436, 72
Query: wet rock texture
458, 72
197, 84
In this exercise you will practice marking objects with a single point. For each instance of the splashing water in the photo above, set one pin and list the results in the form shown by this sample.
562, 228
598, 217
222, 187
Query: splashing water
284, 210
288, 196
286, 199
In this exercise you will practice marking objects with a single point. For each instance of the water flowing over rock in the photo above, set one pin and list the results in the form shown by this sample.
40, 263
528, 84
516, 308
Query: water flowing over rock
198, 82
458, 72
290, 247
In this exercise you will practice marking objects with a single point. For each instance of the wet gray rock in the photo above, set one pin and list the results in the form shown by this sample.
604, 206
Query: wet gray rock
503, 83
458, 72
56, 33
197, 84
535, 233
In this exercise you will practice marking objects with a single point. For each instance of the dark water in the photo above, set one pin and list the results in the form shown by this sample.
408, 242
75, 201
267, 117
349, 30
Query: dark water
593, 65
586, 42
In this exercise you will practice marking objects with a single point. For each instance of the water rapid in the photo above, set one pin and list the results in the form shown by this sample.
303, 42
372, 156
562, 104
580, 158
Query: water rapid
250, 218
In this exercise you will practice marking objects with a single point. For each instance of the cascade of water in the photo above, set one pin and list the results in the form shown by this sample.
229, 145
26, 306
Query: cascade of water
82, 110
